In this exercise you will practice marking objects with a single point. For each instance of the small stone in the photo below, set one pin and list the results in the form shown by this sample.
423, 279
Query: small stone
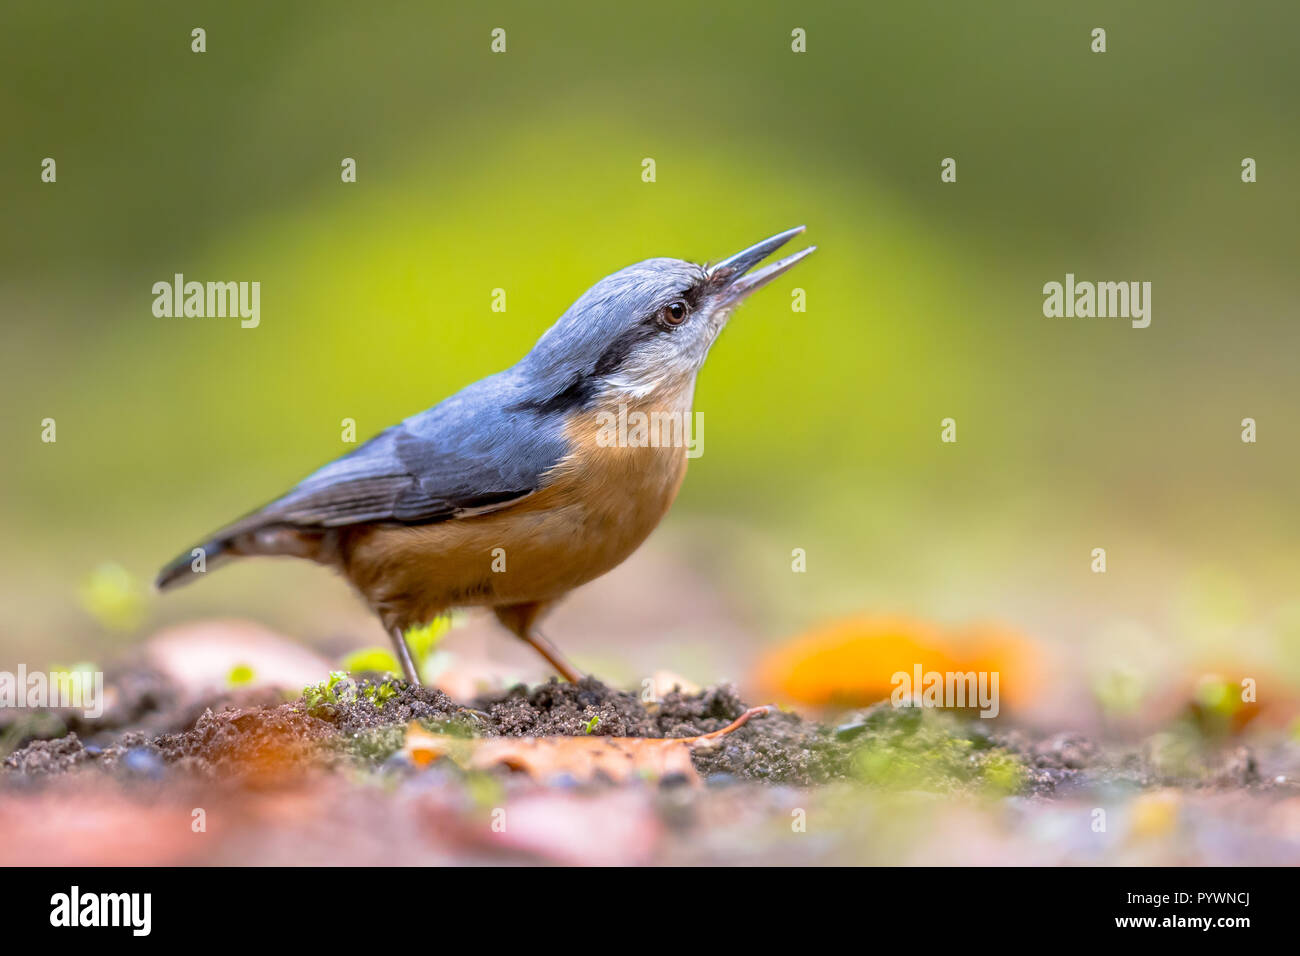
143, 763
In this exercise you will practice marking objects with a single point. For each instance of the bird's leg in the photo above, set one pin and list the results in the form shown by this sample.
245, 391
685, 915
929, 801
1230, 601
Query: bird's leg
519, 619
404, 655
552, 654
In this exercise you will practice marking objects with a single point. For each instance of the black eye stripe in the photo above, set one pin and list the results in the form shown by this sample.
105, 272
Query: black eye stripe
575, 395
621, 347
618, 350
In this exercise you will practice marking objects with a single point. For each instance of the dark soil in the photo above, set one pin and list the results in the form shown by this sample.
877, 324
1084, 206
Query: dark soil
779, 747
235, 739
331, 778
139, 702
234, 733
151, 729
1069, 763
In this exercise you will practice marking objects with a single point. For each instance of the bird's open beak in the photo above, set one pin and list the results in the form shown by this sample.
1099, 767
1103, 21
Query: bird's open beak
733, 274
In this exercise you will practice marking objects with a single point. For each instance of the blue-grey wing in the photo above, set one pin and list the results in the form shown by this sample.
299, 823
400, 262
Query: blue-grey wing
473, 452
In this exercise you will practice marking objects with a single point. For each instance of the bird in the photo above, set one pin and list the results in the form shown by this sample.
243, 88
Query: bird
507, 494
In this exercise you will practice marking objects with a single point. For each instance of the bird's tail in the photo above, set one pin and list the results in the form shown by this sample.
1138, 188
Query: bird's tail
192, 564
251, 536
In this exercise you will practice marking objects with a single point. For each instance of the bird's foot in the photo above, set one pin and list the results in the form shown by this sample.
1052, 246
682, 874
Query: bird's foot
404, 655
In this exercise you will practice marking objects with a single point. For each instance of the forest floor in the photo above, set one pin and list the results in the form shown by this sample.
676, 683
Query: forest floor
373, 771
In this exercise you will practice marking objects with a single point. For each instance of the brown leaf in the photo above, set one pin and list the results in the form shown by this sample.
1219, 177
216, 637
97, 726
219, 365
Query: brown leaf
618, 758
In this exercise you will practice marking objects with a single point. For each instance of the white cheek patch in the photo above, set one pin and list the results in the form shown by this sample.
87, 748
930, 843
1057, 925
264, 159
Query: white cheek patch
671, 360
665, 364
623, 387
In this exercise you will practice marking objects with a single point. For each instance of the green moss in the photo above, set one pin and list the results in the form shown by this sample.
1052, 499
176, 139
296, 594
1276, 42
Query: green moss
373, 746
463, 727
31, 725
378, 693
338, 688
918, 749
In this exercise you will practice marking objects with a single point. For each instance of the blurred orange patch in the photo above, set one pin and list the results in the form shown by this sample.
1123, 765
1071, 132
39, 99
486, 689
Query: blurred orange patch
851, 662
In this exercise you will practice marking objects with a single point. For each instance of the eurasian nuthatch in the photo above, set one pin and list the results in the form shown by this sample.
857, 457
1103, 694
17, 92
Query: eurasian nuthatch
511, 466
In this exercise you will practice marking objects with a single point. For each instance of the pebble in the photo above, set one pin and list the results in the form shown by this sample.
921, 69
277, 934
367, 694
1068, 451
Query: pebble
143, 763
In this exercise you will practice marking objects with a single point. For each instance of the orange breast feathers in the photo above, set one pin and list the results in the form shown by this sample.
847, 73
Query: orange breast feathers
633, 454
595, 507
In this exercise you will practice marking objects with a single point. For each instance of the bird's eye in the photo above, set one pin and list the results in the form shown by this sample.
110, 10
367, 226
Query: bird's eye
675, 312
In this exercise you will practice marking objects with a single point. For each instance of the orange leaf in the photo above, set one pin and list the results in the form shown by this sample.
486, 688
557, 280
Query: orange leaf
423, 748
618, 758
851, 662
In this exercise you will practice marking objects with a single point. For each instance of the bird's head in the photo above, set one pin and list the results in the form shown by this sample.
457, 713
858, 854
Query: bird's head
648, 328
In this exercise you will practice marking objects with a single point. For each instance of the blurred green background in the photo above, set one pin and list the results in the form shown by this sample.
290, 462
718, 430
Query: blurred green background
523, 171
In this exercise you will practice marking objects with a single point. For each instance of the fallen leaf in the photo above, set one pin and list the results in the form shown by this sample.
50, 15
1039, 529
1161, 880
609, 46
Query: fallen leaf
582, 758
851, 662
423, 748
